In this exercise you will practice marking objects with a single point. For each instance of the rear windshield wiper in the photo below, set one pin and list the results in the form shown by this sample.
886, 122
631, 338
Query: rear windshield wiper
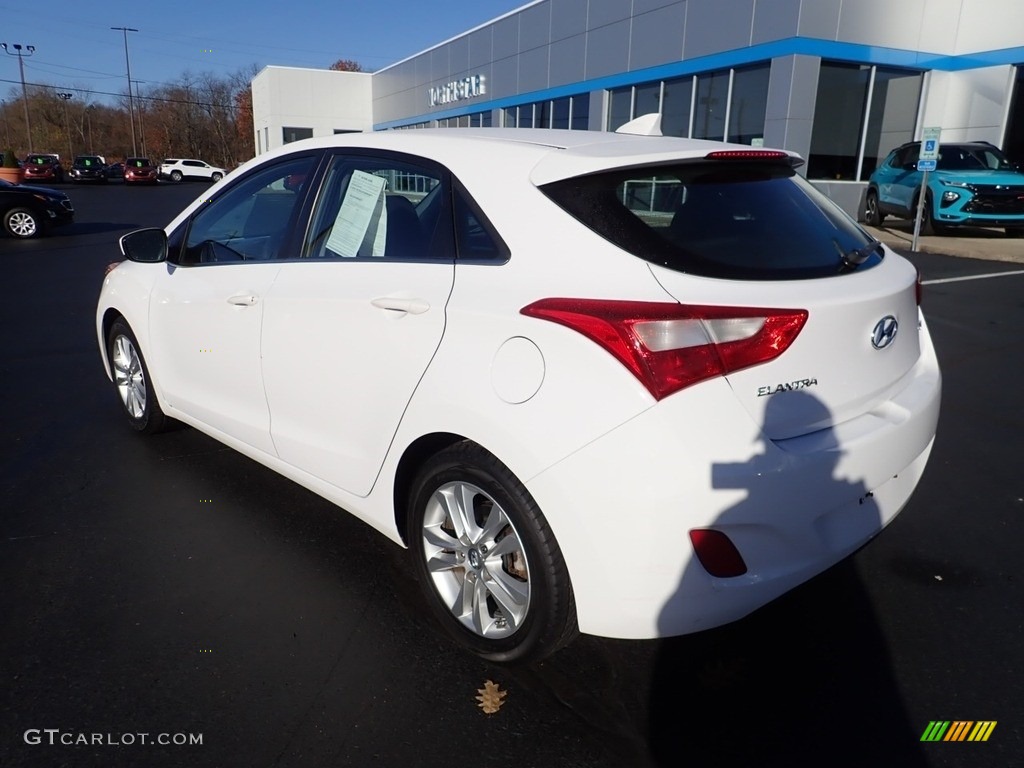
850, 260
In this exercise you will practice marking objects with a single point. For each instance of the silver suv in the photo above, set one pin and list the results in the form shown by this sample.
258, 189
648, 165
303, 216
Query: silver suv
176, 170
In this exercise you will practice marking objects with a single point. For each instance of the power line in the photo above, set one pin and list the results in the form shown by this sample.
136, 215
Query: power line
93, 92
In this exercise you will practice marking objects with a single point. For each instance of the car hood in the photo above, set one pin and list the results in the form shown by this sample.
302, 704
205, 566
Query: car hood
1010, 178
32, 189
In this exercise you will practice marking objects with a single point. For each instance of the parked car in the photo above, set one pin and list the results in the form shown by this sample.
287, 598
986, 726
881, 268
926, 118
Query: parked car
139, 170
43, 167
89, 168
630, 385
115, 171
974, 184
177, 170
29, 211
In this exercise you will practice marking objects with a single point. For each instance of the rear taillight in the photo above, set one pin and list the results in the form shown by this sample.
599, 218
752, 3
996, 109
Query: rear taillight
671, 346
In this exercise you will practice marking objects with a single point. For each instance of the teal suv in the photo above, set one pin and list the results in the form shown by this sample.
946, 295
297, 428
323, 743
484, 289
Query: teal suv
973, 184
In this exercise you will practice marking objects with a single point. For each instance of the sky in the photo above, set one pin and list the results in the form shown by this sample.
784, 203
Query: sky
77, 51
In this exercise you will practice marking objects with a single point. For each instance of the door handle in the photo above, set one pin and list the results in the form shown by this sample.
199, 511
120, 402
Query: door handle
243, 299
409, 306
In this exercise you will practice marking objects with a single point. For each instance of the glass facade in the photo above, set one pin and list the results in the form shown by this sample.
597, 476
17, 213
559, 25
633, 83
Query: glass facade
739, 97
861, 113
568, 112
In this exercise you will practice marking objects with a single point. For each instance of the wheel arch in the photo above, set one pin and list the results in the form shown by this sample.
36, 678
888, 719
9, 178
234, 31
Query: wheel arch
413, 458
110, 316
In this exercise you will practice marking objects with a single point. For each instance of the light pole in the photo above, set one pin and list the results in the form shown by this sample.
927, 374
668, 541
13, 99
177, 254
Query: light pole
67, 126
29, 50
131, 102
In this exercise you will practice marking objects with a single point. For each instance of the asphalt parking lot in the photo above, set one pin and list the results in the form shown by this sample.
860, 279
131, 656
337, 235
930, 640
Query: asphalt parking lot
171, 587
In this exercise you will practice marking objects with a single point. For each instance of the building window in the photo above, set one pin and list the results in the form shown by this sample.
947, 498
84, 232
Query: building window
675, 106
580, 117
861, 113
620, 107
295, 134
748, 103
710, 108
647, 99
560, 113
542, 114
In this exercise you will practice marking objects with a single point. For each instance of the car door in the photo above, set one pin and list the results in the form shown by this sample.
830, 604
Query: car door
206, 312
901, 180
351, 326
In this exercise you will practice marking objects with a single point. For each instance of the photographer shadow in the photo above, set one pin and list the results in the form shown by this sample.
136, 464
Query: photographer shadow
805, 680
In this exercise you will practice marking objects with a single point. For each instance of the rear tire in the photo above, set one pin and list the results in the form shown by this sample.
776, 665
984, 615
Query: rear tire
132, 380
873, 216
486, 558
176, 176
22, 223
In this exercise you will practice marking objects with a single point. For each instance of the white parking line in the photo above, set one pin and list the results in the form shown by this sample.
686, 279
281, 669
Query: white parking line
972, 277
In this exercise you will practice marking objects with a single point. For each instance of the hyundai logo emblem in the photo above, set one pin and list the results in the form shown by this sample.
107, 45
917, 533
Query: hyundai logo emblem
885, 332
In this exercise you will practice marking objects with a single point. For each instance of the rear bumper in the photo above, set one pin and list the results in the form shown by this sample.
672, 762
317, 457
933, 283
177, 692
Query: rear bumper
793, 508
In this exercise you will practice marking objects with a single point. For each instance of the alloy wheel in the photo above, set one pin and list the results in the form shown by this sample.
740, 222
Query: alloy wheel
129, 377
476, 560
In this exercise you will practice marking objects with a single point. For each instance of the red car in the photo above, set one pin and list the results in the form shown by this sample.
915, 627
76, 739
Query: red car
43, 167
139, 170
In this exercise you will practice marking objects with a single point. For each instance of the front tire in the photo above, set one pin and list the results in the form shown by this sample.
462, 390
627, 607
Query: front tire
928, 224
873, 216
217, 177
131, 377
22, 223
486, 558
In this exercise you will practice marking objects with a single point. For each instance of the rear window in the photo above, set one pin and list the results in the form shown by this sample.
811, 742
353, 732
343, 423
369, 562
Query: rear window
731, 220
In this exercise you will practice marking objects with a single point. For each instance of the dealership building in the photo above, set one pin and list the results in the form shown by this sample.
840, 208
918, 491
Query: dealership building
841, 82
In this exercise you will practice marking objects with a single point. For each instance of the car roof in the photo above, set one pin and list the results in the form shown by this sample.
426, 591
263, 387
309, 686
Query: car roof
553, 154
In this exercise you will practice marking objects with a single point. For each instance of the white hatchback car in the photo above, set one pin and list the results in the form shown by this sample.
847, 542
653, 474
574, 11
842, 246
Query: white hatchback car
177, 170
632, 385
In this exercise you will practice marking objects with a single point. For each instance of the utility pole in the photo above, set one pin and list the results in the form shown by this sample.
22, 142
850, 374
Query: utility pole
131, 101
142, 126
67, 126
29, 50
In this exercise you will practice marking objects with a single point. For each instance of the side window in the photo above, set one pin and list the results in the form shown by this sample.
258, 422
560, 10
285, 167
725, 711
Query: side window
476, 238
379, 208
250, 221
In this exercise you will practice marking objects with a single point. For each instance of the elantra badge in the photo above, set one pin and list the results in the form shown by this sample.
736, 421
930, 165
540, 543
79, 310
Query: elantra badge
885, 332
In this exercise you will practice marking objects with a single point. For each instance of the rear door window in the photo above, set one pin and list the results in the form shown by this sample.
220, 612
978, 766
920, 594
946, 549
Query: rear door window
723, 219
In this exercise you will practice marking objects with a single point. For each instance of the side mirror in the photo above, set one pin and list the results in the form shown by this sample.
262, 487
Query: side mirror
148, 246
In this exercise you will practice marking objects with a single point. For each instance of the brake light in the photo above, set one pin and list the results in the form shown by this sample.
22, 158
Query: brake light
747, 154
671, 346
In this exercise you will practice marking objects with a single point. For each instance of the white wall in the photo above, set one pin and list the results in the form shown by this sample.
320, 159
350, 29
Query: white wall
969, 105
324, 100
